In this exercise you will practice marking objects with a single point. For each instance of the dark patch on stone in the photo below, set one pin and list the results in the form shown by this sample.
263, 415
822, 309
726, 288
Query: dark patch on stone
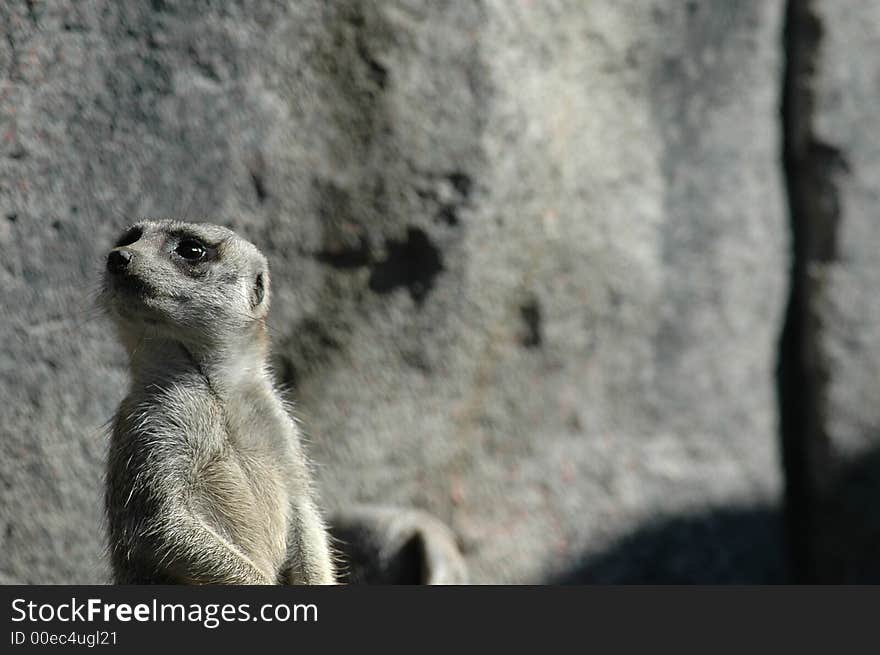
615, 298
12, 217
417, 359
448, 208
259, 186
448, 214
32, 11
206, 68
413, 262
530, 313
462, 183
376, 71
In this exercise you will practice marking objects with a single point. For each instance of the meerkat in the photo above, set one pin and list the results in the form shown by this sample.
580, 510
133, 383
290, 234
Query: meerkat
206, 480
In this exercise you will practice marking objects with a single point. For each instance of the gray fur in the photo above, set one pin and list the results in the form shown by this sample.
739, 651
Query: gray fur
207, 481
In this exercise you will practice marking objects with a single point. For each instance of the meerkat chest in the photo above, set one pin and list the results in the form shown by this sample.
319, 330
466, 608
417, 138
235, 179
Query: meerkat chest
197, 430
248, 482
230, 459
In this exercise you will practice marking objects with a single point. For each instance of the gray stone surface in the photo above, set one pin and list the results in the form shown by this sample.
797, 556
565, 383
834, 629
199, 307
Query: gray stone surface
846, 119
528, 258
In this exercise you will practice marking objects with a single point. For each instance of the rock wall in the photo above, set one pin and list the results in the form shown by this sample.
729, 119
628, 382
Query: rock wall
833, 165
530, 261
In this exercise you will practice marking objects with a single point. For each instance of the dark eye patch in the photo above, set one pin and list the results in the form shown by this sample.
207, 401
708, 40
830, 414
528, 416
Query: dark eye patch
131, 235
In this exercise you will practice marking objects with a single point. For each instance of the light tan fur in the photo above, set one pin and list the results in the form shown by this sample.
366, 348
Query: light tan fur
207, 481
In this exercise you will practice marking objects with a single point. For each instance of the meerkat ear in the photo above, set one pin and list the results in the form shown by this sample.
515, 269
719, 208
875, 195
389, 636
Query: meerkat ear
260, 289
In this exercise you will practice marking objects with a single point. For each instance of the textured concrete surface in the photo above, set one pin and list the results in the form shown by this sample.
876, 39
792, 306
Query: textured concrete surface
529, 258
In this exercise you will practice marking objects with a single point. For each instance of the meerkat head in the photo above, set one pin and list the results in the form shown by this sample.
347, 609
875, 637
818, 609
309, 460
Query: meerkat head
191, 282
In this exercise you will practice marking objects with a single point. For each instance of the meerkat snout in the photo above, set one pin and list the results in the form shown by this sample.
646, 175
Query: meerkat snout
118, 260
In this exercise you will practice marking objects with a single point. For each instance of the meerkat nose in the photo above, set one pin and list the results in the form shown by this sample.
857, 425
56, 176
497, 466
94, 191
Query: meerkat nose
118, 260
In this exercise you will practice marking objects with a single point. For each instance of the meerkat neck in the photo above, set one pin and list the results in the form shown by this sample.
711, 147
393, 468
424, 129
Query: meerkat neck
225, 367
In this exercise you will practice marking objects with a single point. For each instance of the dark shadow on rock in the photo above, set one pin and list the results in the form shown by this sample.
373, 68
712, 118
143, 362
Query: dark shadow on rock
391, 545
843, 533
724, 546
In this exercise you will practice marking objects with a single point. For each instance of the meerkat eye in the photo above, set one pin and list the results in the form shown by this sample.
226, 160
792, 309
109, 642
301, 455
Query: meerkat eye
191, 250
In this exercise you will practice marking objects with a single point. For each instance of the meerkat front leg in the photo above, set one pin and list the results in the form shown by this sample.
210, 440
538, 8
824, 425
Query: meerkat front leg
309, 560
202, 556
